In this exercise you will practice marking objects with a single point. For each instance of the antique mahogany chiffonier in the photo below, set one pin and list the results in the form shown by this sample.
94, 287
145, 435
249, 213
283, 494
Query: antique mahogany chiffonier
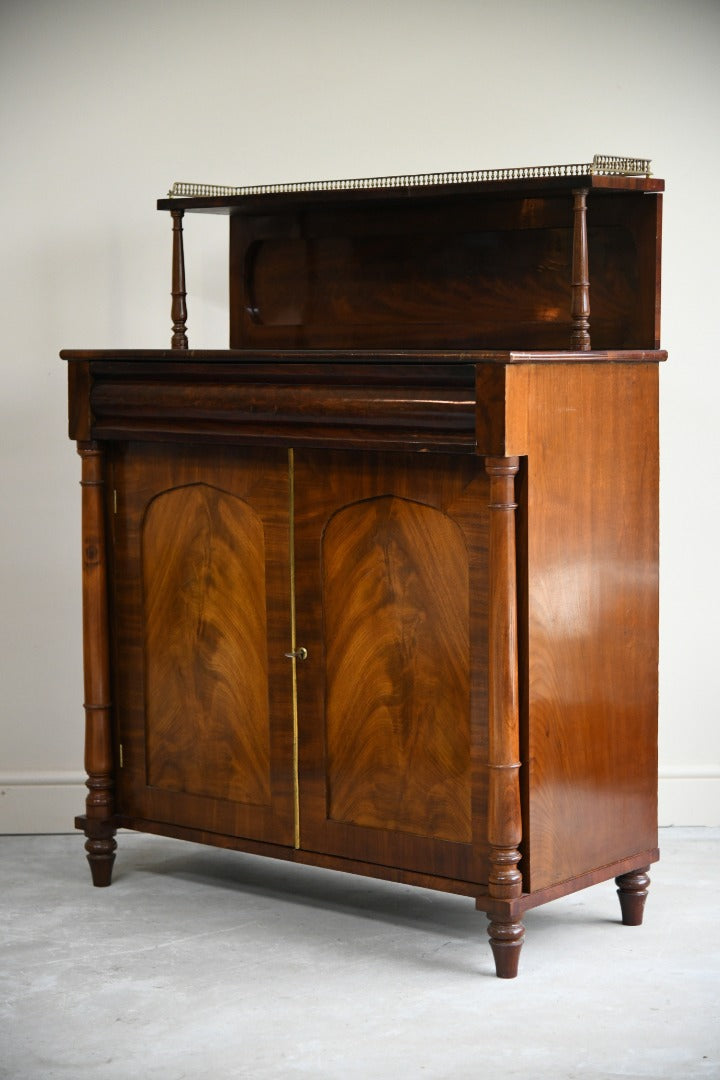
375, 588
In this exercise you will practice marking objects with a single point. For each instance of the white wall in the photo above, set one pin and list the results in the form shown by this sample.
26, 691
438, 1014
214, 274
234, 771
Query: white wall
103, 104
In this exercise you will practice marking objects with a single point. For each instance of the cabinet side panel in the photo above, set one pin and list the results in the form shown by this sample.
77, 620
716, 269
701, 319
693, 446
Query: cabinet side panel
592, 611
396, 592
206, 646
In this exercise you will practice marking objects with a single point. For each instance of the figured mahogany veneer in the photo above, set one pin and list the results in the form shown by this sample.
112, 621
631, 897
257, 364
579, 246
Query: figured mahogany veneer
391, 582
376, 588
397, 686
201, 545
200, 581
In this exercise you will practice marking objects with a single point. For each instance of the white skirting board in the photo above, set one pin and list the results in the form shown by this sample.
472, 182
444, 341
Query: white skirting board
689, 796
48, 802
40, 802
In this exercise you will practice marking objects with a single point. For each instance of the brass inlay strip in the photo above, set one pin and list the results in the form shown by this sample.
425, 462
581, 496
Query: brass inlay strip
293, 648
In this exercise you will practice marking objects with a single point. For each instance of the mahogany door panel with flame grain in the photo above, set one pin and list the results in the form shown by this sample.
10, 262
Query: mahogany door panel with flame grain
201, 582
391, 580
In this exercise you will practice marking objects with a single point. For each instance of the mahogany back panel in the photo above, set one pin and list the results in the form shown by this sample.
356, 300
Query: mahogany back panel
456, 272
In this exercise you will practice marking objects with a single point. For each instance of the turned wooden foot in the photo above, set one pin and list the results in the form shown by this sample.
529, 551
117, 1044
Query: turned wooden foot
632, 891
101, 856
100, 847
506, 940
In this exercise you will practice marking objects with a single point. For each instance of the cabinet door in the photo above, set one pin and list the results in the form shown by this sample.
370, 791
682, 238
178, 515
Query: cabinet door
391, 588
201, 616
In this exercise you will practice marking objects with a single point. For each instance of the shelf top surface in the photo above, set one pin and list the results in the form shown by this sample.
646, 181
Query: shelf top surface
603, 173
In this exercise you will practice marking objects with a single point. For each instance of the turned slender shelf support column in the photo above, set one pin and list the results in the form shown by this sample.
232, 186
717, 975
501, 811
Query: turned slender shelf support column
504, 814
580, 300
632, 893
178, 310
97, 823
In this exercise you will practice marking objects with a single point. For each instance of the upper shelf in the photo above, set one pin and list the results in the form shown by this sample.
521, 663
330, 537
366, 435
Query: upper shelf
604, 172
558, 257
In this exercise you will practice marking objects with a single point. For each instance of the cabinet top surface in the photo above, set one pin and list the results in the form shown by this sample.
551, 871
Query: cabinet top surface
365, 356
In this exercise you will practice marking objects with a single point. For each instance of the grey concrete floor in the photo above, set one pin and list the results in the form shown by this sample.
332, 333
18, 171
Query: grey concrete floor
199, 964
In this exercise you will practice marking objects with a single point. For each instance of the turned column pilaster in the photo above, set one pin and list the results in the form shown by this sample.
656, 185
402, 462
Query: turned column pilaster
580, 298
178, 309
504, 814
97, 822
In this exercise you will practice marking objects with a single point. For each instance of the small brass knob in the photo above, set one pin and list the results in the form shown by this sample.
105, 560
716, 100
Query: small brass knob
297, 654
